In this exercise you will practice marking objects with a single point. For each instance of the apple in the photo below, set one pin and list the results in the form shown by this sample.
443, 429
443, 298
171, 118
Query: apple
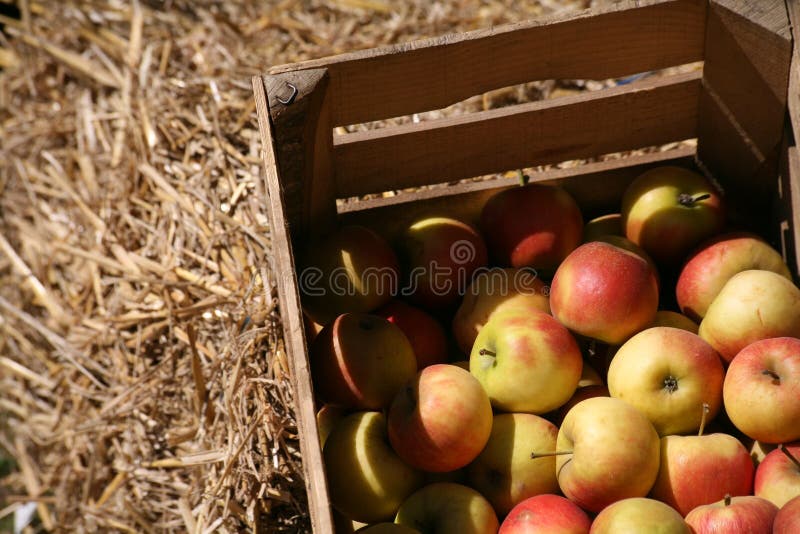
367, 480
312, 328
710, 267
778, 475
504, 472
438, 256
361, 361
589, 377
386, 528
669, 210
758, 449
526, 362
604, 292
698, 470
606, 451
441, 420
426, 335
749, 514
532, 226
762, 388
610, 224
352, 270
327, 417
626, 244
546, 514
787, 520
495, 290
581, 394
668, 374
447, 508
675, 320
753, 305
638, 514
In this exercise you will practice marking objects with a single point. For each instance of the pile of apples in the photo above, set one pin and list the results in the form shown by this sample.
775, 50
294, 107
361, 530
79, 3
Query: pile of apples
636, 373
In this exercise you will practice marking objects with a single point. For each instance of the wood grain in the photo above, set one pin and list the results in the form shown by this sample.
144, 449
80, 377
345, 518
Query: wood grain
793, 101
292, 319
793, 172
647, 113
630, 37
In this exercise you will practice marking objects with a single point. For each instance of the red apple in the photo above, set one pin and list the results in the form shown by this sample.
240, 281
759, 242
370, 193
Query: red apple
638, 514
749, 514
532, 226
546, 514
778, 475
787, 521
438, 256
604, 292
361, 361
441, 420
669, 210
762, 388
581, 394
426, 335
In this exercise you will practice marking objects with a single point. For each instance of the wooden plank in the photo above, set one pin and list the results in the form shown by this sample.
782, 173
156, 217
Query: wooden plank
292, 319
597, 187
793, 103
630, 37
793, 171
646, 113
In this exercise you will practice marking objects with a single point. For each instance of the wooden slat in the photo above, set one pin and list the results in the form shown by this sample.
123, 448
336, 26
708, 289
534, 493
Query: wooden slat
292, 319
597, 187
793, 171
793, 103
650, 112
630, 37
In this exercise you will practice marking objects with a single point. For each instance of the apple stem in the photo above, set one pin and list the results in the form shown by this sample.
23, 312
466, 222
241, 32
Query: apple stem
535, 455
727, 499
772, 374
487, 352
706, 409
685, 199
789, 455
523, 178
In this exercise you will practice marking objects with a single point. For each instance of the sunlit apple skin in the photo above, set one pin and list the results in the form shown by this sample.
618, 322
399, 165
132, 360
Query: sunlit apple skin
709, 268
446, 508
581, 394
610, 224
441, 420
664, 213
504, 472
427, 337
697, 470
753, 305
546, 514
777, 477
762, 388
639, 514
493, 291
667, 374
675, 320
532, 226
604, 292
327, 417
367, 481
438, 257
615, 453
526, 362
749, 514
361, 361
353, 270
787, 521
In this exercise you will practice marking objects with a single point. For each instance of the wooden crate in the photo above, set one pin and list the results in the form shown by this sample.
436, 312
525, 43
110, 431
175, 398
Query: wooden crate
743, 107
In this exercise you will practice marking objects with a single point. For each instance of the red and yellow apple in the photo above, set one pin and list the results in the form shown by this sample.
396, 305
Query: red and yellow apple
446, 508
546, 514
675, 320
778, 475
427, 337
750, 514
787, 520
581, 394
638, 514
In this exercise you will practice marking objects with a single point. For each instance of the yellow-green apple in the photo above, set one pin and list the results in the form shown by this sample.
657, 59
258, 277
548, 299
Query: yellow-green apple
438, 257
441, 420
526, 362
668, 374
581, 394
787, 520
606, 451
752, 305
361, 361
426, 335
638, 514
710, 267
446, 508
675, 320
352, 270
778, 475
747, 513
669, 210
327, 417
698, 470
495, 290
367, 480
610, 224
546, 514
762, 388
386, 528
604, 292
532, 226
504, 472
